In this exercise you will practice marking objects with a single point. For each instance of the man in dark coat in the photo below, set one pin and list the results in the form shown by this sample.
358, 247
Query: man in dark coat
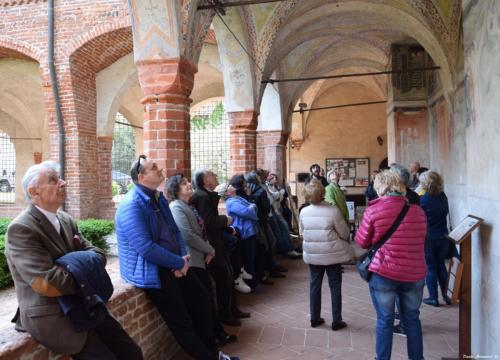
206, 201
315, 170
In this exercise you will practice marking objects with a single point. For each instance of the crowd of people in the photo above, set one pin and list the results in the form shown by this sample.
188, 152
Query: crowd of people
407, 213
190, 259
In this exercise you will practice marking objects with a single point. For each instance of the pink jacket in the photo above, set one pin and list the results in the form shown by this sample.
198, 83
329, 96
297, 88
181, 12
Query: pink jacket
401, 258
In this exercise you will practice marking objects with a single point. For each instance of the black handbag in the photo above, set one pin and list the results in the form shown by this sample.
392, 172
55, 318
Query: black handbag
364, 262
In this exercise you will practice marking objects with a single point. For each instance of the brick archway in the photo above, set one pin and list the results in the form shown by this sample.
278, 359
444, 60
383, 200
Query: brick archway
17, 49
88, 164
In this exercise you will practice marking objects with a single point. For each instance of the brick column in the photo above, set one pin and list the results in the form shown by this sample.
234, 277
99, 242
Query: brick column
167, 84
271, 151
243, 141
106, 204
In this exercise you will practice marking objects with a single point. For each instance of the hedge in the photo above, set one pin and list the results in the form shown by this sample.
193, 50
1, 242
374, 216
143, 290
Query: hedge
93, 230
5, 279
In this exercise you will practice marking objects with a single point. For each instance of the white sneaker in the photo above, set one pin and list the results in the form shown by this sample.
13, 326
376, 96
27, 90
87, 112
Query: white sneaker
245, 275
240, 285
223, 356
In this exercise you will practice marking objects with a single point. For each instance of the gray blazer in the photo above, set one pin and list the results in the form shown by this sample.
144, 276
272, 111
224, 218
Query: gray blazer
32, 244
186, 221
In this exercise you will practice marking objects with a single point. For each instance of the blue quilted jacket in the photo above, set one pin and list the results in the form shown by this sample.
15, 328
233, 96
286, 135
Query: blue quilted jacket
244, 215
137, 234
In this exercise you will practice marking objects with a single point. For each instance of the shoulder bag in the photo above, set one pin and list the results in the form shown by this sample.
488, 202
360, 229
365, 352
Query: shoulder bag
365, 261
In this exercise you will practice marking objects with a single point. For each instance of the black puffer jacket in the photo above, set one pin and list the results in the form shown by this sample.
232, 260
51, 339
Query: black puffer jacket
259, 197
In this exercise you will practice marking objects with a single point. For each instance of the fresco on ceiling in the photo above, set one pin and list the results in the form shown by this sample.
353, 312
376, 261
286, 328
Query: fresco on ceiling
261, 14
156, 29
238, 89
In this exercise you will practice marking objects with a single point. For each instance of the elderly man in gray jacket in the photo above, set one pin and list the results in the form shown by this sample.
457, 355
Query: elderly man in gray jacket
35, 239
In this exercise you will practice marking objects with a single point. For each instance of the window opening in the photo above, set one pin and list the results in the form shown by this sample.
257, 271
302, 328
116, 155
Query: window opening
7, 169
210, 138
122, 156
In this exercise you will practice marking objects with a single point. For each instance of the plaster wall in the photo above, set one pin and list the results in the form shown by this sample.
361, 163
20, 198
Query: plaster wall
22, 114
112, 83
481, 28
344, 132
270, 110
411, 138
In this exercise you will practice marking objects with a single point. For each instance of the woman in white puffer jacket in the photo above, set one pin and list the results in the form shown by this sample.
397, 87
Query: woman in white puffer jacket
326, 245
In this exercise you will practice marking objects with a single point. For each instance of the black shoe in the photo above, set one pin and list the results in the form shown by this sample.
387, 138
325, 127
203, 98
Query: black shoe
231, 321
431, 302
276, 274
225, 338
398, 330
315, 323
338, 325
238, 314
266, 281
280, 268
447, 300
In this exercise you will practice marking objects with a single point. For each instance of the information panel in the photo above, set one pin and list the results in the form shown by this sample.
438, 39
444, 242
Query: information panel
354, 171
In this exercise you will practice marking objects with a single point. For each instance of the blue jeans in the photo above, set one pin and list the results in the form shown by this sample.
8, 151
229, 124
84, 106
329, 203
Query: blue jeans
334, 273
384, 292
435, 255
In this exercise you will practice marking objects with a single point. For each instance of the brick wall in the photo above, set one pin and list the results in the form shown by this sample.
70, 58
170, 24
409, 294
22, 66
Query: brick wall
129, 306
243, 155
271, 151
89, 36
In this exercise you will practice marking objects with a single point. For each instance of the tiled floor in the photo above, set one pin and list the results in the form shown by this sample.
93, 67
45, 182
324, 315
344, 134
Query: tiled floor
279, 326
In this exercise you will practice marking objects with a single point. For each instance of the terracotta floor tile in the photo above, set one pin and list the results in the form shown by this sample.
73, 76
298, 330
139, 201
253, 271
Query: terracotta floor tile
294, 337
271, 335
316, 337
279, 327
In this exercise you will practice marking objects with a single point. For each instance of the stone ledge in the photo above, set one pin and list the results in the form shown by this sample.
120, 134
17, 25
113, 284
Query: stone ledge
129, 305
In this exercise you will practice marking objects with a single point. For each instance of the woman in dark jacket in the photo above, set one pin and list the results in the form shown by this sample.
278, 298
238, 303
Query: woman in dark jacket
435, 204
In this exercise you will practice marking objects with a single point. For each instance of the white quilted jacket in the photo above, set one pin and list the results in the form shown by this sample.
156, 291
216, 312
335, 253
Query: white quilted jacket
326, 235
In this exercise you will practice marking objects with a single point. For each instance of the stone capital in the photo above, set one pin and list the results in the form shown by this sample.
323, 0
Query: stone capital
243, 120
166, 79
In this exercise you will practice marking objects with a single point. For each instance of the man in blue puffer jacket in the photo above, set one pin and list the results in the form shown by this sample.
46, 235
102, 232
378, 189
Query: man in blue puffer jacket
153, 257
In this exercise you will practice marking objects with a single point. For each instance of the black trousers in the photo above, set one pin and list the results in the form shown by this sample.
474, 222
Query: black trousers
109, 342
224, 284
204, 277
185, 305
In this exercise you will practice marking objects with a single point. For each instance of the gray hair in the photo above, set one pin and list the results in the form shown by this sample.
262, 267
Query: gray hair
32, 176
199, 178
333, 171
402, 172
431, 182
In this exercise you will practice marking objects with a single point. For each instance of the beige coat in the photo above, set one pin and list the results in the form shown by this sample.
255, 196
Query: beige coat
326, 235
31, 247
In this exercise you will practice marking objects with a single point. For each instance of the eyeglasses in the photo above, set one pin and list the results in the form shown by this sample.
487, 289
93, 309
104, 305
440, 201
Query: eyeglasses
138, 167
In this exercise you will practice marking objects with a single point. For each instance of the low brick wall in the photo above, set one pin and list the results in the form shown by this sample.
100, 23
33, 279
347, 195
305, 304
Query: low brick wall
129, 306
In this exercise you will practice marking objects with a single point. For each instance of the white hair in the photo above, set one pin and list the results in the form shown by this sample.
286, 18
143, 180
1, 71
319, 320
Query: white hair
32, 176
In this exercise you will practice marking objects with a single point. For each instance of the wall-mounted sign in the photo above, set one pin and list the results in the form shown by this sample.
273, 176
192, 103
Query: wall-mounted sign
353, 171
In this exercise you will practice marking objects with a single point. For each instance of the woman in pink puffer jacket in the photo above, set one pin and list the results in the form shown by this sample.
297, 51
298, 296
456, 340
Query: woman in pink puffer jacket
398, 267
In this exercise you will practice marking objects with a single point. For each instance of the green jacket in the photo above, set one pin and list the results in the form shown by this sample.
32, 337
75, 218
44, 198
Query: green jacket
335, 196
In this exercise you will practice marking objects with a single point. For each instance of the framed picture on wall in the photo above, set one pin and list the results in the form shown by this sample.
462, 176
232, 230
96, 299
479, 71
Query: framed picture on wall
354, 172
